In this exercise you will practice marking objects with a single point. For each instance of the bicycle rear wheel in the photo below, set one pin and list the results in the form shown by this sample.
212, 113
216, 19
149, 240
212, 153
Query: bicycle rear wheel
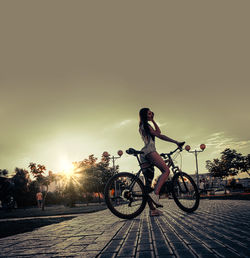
125, 195
185, 192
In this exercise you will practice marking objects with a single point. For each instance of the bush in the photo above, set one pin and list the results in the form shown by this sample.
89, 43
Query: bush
54, 198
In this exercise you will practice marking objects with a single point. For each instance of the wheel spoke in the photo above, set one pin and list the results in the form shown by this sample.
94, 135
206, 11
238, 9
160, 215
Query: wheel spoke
124, 195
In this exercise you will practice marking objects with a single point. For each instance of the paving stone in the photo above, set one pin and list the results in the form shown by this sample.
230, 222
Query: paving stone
162, 249
132, 243
178, 245
200, 250
165, 255
214, 244
95, 247
227, 253
107, 255
145, 254
144, 247
219, 228
113, 246
184, 253
172, 237
243, 251
143, 240
127, 251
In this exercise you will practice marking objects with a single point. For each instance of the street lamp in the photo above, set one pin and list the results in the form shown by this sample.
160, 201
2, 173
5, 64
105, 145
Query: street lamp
202, 147
119, 152
106, 154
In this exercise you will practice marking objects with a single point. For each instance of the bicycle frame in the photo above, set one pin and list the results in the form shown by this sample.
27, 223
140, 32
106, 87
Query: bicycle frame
181, 188
171, 165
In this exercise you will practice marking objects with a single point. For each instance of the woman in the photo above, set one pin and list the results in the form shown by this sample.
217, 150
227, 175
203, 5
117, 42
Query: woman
150, 155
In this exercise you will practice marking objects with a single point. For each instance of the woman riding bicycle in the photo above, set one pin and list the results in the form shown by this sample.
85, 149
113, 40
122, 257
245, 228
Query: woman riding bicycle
151, 156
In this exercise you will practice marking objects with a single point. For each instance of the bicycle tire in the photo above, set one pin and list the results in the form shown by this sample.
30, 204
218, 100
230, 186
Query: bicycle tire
191, 195
110, 200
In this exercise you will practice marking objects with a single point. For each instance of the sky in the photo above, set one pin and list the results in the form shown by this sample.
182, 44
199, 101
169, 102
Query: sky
74, 75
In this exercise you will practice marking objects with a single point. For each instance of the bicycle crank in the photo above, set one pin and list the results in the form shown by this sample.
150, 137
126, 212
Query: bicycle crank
127, 196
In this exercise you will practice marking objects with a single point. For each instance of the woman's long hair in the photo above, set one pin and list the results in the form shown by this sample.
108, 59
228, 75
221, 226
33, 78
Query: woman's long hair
144, 122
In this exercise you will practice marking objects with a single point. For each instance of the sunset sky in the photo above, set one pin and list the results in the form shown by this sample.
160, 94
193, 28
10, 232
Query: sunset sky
74, 74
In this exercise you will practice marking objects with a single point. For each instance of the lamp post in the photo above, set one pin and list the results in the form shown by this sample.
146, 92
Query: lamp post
119, 152
202, 147
106, 154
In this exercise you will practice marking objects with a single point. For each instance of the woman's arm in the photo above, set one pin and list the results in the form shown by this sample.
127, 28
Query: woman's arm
161, 136
157, 129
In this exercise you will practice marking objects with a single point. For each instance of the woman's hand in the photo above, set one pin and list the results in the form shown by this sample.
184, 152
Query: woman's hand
152, 116
180, 144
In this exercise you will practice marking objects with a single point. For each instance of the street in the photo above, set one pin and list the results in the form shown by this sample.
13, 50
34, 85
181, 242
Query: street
219, 228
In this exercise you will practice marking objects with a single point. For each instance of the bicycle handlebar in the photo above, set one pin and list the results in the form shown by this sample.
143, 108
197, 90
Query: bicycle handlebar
172, 152
134, 152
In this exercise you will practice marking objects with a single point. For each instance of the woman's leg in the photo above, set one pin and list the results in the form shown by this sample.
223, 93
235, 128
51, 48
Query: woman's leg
148, 181
157, 161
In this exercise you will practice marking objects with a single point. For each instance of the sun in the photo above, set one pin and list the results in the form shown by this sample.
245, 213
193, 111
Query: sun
66, 167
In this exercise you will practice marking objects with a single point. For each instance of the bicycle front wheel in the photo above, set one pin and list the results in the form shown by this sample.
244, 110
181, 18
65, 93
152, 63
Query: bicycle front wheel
125, 195
185, 192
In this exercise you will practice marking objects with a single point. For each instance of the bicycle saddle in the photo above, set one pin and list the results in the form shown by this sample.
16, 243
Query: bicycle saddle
134, 152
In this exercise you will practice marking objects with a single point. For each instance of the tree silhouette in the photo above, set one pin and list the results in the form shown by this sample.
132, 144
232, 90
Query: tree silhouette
21, 180
70, 193
106, 171
229, 164
94, 175
6, 190
38, 172
4, 172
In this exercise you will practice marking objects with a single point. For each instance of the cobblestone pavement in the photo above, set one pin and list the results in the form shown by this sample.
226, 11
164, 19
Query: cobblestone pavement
216, 229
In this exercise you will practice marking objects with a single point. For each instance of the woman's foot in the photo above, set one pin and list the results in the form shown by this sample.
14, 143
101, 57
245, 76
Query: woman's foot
155, 198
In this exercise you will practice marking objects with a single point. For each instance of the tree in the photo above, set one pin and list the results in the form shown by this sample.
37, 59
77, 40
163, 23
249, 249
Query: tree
230, 164
21, 180
106, 171
92, 182
6, 190
70, 193
94, 175
245, 164
4, 172
90, 176
33, 189
38, 172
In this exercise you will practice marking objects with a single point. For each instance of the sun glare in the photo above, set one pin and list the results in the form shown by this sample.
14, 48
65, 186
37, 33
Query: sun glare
66, 167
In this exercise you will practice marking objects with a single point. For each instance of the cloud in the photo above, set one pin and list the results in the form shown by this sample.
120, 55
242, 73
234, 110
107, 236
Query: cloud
117, 126
219, 141
123, 123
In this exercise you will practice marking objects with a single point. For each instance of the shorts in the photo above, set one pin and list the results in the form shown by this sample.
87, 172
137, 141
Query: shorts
147, 149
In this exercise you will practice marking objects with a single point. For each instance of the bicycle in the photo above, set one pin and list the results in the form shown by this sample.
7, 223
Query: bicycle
126, 195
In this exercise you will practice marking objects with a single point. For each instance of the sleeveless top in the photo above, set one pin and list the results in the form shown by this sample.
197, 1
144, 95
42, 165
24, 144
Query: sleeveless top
148, 141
